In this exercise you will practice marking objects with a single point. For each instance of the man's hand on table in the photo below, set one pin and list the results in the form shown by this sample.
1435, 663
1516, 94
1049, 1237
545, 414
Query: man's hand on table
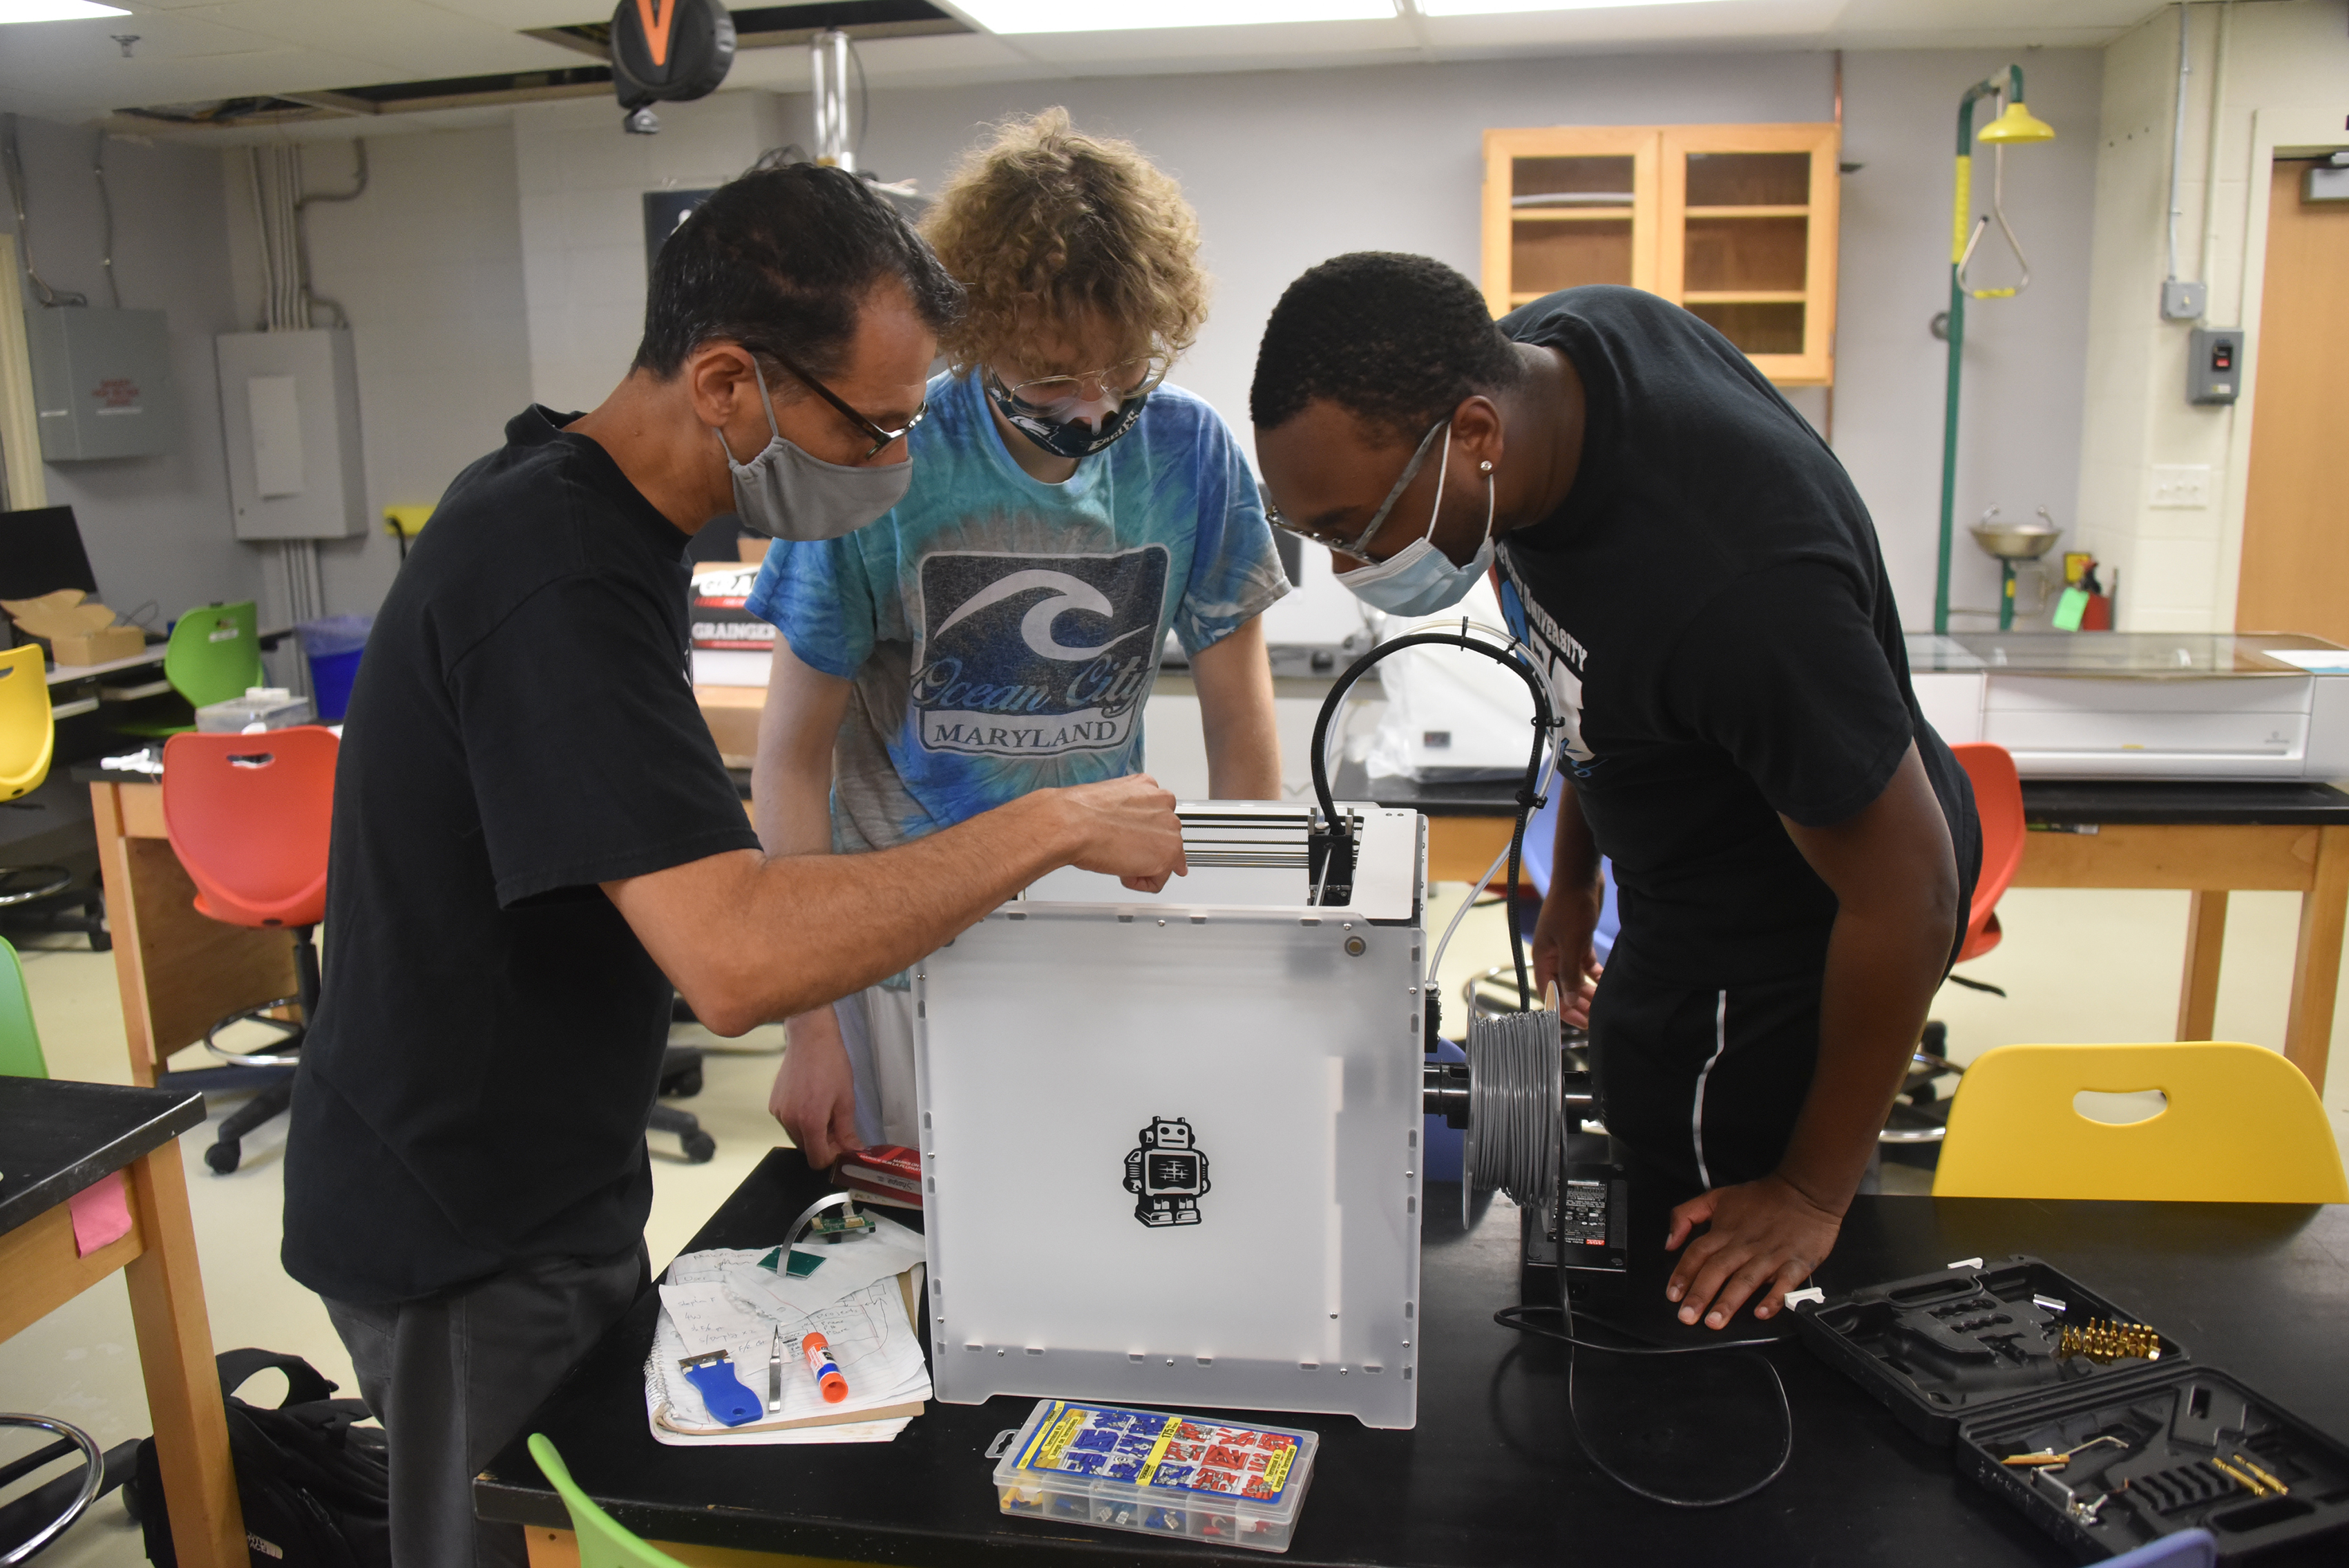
814, 1095
1124, 828
1765, 1236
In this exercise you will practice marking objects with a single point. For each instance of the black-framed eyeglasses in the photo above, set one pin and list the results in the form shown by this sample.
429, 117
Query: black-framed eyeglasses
882, 435
1353, 550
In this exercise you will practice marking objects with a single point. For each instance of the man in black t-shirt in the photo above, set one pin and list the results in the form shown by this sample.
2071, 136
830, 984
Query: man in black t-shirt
1794, 846
534, 837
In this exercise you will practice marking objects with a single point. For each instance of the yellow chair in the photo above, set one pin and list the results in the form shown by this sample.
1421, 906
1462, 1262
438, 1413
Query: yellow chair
27, 737
2241, 1126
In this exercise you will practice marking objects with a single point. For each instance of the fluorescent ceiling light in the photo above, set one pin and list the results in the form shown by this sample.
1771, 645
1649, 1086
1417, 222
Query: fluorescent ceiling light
55, 10
1518, 7
1121, 16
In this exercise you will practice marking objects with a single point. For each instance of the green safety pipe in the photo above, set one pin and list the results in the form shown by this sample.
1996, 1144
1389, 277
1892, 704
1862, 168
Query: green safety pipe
1960, 228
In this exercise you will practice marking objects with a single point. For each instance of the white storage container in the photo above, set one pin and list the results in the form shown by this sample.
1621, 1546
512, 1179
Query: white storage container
1171, 1143
260, 708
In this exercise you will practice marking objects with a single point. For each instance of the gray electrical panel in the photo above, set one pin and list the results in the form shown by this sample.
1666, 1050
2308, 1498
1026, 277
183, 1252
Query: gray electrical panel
102, 383
290, 413
2214, 364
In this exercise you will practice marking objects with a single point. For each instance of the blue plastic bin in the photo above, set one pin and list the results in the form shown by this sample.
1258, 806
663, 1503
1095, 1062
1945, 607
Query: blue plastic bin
333, 645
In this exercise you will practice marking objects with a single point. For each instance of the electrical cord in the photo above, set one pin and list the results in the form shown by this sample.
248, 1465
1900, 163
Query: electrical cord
1514, 656
43, 294
106, 210
863, 103
1514, 1317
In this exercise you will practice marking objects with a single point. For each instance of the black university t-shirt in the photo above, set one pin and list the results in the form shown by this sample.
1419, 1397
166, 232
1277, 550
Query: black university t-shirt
475, 1092
1714, 608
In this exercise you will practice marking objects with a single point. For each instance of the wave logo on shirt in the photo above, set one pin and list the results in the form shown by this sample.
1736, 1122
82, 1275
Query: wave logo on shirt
1037, 656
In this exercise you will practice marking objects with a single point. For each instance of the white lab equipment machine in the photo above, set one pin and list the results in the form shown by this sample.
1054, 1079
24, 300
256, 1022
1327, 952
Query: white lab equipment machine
2142, 705
1171, 1143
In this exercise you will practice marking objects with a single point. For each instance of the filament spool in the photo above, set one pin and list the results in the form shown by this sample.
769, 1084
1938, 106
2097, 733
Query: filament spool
1517, 1114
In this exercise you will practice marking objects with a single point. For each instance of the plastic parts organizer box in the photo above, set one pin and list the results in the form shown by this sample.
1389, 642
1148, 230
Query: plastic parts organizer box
1171, 1144
1158, 1474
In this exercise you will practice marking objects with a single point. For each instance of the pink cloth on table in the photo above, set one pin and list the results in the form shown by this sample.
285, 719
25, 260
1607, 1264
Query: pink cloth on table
101, 1213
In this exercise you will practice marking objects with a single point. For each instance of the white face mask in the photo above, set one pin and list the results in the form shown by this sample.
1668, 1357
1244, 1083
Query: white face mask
1419, 579
785, 492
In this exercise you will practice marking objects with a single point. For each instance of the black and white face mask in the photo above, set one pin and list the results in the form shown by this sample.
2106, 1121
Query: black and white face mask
1069, 427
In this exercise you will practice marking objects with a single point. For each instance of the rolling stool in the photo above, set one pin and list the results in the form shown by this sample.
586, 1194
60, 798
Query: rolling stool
680, 1075
248, 816
31, 1522
680, 1078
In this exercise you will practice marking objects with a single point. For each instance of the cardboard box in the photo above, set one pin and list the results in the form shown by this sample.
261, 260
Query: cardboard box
77, 633
98, 648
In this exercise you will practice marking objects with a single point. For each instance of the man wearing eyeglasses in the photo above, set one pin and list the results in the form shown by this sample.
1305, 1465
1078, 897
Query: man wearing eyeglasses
998, 631
1794, 845
534, 838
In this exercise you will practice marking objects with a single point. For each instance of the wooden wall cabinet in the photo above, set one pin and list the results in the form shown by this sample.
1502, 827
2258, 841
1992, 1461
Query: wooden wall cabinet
1736, 223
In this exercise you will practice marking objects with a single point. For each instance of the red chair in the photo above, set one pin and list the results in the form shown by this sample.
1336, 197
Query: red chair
1998, 803
248, 815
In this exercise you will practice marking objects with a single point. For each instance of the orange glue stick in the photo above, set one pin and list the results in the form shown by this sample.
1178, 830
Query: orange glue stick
828, 1380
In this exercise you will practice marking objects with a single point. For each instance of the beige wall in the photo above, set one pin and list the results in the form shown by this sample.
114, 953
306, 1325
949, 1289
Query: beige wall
2280, 84
428, 262
582, 182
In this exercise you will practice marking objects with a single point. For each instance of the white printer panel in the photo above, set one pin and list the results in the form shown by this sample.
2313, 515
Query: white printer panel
1951, 702
2069, 727
2328, 729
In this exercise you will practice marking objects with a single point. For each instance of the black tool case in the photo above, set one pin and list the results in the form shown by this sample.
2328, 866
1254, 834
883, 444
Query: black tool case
1967, 1356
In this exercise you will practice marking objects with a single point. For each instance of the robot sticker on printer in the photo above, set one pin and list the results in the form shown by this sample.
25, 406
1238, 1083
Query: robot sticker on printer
1168, 1174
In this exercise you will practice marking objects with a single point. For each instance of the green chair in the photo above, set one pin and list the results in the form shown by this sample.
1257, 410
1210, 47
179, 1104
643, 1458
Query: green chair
215, 655
20, 1039
602, 1543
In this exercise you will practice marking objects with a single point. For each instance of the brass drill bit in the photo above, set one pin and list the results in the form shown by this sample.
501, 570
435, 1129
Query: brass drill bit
2256, 1489
2104, 1343
2280, 1488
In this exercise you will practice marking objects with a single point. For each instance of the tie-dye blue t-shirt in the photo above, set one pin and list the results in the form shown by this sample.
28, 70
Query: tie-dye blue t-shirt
1002, 633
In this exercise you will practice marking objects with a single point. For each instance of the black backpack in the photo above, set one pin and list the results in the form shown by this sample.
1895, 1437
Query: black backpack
316, 1490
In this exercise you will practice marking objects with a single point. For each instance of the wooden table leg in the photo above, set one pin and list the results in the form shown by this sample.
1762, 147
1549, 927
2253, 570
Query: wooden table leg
175, 1353
2316, 964
122, 917
2206, 934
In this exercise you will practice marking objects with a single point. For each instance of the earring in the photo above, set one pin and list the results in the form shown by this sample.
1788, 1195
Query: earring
1487, 466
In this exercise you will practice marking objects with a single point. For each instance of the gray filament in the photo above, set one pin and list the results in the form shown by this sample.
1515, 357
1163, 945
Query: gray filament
1516, 1118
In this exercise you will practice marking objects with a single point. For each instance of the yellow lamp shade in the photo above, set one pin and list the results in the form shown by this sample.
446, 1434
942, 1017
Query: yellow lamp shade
2017, 124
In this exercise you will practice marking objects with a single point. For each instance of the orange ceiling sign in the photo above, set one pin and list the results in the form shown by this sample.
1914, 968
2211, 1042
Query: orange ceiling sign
656, 15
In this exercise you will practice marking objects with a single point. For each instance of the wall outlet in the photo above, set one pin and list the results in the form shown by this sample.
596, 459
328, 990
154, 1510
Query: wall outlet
2183, 486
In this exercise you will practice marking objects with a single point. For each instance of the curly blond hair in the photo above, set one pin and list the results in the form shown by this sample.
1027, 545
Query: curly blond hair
1043, 222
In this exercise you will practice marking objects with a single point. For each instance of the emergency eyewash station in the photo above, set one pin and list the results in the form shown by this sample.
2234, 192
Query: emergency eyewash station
1226, 1202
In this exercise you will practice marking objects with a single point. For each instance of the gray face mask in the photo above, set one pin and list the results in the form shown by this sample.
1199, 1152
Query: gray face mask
786, 493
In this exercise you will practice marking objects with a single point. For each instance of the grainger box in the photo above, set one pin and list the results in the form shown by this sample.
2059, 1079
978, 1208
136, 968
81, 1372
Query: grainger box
1171, 1143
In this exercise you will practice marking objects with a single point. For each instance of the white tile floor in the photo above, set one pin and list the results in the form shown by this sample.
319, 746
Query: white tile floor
2077, 966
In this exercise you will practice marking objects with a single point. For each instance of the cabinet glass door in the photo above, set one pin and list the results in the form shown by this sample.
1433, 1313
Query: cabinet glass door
1565, 207
1569, 224
1749, 240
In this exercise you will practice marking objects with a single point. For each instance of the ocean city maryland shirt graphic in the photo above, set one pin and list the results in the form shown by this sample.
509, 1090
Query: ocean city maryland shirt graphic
1036, 656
